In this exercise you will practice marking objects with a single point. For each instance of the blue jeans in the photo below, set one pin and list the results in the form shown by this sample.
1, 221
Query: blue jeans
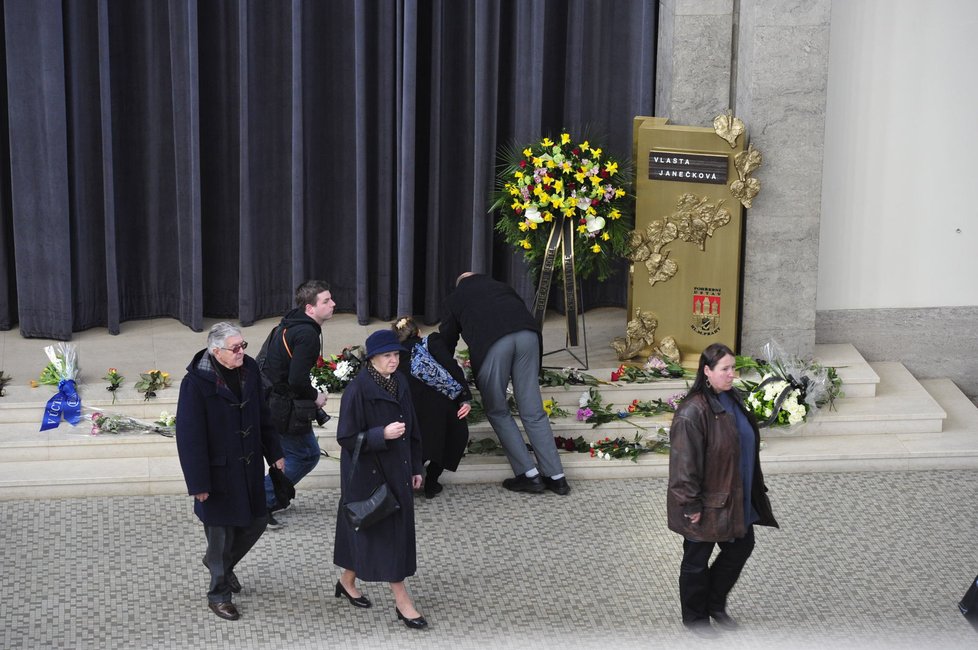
301, 456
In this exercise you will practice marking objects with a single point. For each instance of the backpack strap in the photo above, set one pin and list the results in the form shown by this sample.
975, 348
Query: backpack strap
285, 343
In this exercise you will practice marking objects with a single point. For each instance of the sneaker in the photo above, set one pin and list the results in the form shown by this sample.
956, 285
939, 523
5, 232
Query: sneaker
273, 523
523, 483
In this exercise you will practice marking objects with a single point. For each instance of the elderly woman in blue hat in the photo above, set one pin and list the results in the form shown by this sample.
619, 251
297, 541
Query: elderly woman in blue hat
378, 405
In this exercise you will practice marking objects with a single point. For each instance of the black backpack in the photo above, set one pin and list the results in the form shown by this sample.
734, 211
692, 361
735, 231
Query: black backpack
262, 360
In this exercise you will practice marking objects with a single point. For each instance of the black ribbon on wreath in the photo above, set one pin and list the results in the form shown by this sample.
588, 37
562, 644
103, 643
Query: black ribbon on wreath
562, 239
801, 385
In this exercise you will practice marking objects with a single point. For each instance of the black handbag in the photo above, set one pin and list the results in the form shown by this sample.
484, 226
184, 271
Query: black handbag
378, 506
969, 604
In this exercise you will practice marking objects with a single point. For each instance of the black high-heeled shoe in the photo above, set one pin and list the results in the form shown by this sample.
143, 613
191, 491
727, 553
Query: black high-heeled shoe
414, 623
362, 601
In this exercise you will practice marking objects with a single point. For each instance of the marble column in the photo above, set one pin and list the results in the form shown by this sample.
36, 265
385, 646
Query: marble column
781, 68
693, 60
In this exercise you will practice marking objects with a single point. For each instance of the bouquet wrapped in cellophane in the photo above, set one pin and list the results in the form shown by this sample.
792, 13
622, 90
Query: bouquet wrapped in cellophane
62, 370
788, 390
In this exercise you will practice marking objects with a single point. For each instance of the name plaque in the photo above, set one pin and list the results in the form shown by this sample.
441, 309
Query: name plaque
687, 167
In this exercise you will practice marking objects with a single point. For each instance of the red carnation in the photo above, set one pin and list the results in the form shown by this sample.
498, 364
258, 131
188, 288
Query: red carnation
576, 151
522, 164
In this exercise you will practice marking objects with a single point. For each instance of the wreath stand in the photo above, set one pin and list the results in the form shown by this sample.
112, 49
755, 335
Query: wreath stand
569, 349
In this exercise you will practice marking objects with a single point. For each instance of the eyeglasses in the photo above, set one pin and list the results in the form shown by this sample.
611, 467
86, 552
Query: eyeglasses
234, 349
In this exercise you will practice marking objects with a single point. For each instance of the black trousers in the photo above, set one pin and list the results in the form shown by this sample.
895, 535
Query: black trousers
703, 588
226, 545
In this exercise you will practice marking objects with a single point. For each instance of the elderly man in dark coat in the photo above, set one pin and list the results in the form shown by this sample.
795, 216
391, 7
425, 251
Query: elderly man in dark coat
505, 344
377, 404
223, 432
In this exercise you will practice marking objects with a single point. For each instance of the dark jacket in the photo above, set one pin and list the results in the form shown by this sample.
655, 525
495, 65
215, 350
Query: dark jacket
443, 436
482, 311
704, 472
221, 442
386, 551
302, 334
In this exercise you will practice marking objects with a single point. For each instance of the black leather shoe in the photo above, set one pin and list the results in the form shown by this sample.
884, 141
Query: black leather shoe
361, 601
523, 484
227, 610
414, 623
724, 620
557, 485
432, 489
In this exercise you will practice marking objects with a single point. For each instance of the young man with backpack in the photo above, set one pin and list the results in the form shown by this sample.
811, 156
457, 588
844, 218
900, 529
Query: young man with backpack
291, 351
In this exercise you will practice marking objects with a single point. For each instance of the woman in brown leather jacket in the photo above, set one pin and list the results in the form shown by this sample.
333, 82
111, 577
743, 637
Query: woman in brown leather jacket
716, 489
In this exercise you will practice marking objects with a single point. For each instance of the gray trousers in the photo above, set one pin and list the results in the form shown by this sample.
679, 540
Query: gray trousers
226, 545
516, 356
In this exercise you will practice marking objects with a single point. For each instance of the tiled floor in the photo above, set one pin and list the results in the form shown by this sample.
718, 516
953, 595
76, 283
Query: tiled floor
863, 560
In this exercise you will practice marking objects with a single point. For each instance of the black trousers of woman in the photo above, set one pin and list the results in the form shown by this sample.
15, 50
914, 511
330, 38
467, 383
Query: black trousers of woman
703, 588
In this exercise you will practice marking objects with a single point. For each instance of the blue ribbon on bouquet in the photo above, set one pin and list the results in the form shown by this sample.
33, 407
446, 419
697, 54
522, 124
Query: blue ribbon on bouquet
65, 403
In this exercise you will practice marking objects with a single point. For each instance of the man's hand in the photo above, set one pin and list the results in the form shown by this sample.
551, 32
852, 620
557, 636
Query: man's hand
280, 463
463, 410
321, 399
202, 496
416, 481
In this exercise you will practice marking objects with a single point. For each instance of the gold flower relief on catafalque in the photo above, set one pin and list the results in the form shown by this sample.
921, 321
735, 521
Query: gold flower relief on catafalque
695, 219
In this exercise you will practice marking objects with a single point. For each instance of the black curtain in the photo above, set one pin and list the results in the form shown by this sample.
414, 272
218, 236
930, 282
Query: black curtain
190, 158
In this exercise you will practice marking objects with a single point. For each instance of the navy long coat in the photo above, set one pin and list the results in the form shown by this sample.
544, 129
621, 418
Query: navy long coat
385, 552
221, 442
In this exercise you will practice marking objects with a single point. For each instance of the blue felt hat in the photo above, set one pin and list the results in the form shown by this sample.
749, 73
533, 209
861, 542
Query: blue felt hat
383, 341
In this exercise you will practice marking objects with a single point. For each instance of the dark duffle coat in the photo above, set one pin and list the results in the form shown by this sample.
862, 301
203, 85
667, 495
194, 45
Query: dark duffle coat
221, 442
386, 551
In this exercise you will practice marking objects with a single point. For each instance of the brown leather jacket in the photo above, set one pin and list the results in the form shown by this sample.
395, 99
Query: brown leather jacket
704, 472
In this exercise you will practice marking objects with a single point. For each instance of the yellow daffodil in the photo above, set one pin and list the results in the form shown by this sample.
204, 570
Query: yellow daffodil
544, 198
559, 186
523, 226
548, 407
611, 168
557, 201
537, 161
614, 214
547, 216
517, 205
596, 180
518, 175
551, 164
591, 210
525, 243
527, 152
569, 211
564, 138
596, 153
566, 166
580, 176
582, 229
547, 180
533, 225
619, 193
605, 236
596, 248
547, 142
585, 145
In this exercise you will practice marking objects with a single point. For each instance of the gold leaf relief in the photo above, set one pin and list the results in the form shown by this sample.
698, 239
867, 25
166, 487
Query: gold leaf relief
747, 161
745, 191
660, 268
728, 127
660, 233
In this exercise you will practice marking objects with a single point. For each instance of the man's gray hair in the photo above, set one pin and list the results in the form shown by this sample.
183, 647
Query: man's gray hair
220, 333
